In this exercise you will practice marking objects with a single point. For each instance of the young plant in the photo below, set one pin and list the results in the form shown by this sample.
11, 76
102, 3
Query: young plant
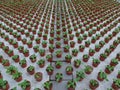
93, 84
80, 75
77, 63
69, 70
102, 75
58, 64
50, 69
47, 85
58, 77
41, 63
88, 69
25, 85
71, 85
4, 84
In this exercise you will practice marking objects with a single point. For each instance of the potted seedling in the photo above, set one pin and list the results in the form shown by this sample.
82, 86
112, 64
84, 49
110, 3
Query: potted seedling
15, 44
66, 48
97, 47
95, 62
58, 53
85, 58
17, 76
42, 52
58, 64
44, 44
4, 85
71, 85
51, 40
103, 56
118, 75
109, 69
116, 84
48, 85
74, 52
25, 85
45, 37
1, 76
49, 57
41, 63
91, 52
80, 75
37, 40
38, 76
77, 63
114, 62
1, 58
87, 43
81, 48
58, 45
69, 70
65, 40
50, 69
20, 48
11, 70
36, 48
51, 48
16, 58
31, 70
5, 62
101, 76
88, 69
68, 58
72, 44
93, 84
10, 53
33, 58
59, 77
23, 63
26, 52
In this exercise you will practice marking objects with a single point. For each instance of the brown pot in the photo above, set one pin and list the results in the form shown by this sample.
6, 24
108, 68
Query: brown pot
26, 54
95, 64
39, 79
50, 73
19, 79
98, 77
115, 87
58, 66
93, 87
69, 72
23, 65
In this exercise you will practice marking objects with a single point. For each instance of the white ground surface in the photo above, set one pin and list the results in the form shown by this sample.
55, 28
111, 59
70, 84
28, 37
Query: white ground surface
62, 86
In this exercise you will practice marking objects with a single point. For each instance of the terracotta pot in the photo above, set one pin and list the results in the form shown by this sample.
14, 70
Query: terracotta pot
18, 79
50, 73
59, 55
7, 64
118, 76
115, 87
93, 87
23, 65
42, 54
31, 72
50, 88
39, 79
113, 64
17, 60
95, 64
58, 66
98, 77
26, 54
107, 71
